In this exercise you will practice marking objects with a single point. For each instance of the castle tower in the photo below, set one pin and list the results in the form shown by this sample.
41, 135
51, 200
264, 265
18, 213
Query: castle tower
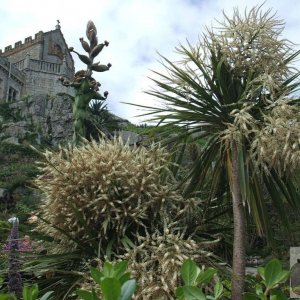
33, 67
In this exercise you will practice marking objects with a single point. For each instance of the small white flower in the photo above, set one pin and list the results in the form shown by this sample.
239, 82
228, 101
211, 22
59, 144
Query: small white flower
13, 220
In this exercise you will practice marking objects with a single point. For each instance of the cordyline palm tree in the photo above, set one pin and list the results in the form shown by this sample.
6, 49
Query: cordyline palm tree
228, 90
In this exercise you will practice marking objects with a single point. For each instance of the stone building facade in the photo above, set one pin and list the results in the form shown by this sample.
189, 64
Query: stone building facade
33, 67
29, 84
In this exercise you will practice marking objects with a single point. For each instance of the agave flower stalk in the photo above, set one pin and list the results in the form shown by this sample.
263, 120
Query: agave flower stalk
86, 87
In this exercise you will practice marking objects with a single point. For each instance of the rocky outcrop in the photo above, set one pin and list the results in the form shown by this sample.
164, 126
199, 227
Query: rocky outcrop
6, 200
40, 118
130, 137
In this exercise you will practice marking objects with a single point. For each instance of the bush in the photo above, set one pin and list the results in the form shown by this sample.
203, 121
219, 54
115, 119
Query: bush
104, 191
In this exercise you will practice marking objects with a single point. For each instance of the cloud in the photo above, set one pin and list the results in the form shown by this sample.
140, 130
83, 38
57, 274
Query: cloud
136, 30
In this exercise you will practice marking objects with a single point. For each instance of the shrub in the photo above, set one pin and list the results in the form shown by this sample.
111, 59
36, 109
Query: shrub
157, 259
103, 191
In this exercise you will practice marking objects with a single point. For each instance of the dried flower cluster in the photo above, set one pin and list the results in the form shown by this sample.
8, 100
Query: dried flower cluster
252, 44
243, 125
278, 143
157, 259
103, 190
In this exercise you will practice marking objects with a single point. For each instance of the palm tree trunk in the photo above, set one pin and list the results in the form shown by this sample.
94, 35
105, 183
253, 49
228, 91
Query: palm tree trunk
239, 242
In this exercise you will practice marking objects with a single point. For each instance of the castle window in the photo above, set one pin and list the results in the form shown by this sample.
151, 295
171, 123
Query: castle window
12, 94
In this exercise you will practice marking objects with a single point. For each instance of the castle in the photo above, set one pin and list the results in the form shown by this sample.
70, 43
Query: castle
40, 105
33, 67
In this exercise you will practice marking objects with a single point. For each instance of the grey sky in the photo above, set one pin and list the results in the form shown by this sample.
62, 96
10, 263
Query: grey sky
136, 30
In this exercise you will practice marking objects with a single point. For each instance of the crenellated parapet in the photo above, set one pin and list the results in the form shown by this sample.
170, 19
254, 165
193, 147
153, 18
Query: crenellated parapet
29, 41
33, 66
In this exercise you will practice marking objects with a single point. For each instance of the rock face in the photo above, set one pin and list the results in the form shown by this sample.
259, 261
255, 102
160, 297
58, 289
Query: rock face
36, 118
6, 200
130, 137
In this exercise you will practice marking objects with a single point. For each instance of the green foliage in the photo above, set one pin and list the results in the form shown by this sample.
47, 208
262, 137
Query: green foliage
194, 279
8, 114
143, 129
28, 293
17, 165
99, 199
7, 148
272, 275
100, 120
17, 173
4, 230
113, 281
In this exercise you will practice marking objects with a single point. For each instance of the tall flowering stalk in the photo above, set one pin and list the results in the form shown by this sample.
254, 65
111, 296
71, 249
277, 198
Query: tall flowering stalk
14, 247
86, 87
14, 276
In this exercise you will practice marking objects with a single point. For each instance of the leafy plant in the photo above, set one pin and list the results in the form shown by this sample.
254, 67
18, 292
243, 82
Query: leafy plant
226, 90
156, 260
28, 293
100, 119
4, 230
272, 275
194, 279
100, 188
113, 281
102, 199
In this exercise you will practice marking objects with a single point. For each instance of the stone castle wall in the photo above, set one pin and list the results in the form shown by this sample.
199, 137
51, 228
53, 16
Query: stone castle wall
42, 83
41, 61
31, 70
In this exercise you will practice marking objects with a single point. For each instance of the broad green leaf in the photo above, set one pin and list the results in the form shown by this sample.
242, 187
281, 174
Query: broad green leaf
30, 292
189, 272
179, 293
34, 292
261, 272
283, 276
120, 268
250, 296
273, 273
277, 295
125, 277
128, 289
108, 270
7, 297
47, 295
193, 293
97, 275
206, 276
85, 295
26, 293
259, 291
111, 288
218, 290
